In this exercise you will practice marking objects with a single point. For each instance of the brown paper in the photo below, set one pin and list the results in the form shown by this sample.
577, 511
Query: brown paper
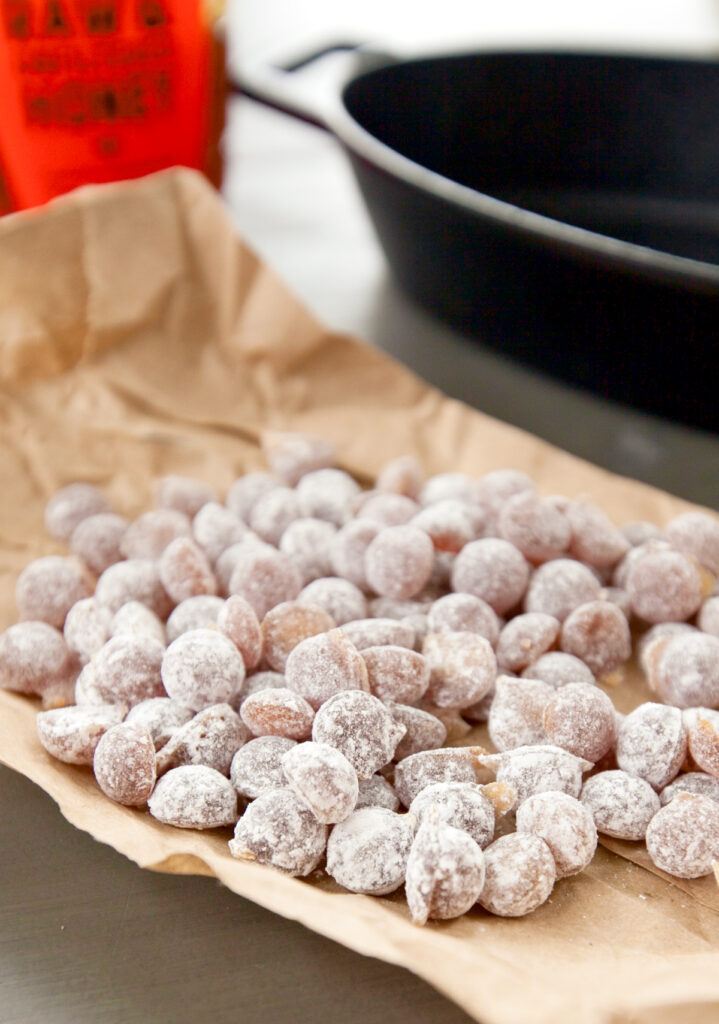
139, 337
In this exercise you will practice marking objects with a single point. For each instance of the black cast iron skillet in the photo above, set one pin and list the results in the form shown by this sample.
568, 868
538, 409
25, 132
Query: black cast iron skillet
562, 207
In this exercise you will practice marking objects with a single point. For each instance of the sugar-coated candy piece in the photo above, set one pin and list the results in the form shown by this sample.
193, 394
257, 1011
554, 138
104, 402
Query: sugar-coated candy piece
203, 667
273, 512
621, 570
402, 475
291, 455
536, 768
279, 829
288, 624
136, 579
48, 587
497, 487
278, 712
376, 792
558, 587
598, 633
388, 509
648, 647
238, 621
447, 487
323, 665
621, 804
524, 639
257, 766
703, 739
368, 852
327, 494
124, 764
97, 540
450, 524
639, 531
194, 796
246, 490
364, 633
161, 716
70, 505
664, 586
86, 691
87, 627
494, 570
686, 671
566, 826
696, 534
265, 577
398, 562
266, 680
361, 727
535, 526
502, 797
558, 668
324, 778
225, 564
71, 734
462, 805
464, 613
652, 743
216, 528
516, 714
127, 669
519, 875
388, 608
212, 737
150, 533
462, 668
691, 782
197, 612
595, 538
184, 493
445, 872
708, 617
339, 598
139, 620
449, 764
580, 718
307, 542
348, 549
424, 730
396, 673
683, 837
185, 571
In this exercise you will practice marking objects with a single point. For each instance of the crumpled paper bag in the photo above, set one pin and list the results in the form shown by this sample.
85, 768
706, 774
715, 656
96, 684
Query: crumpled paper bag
139, 337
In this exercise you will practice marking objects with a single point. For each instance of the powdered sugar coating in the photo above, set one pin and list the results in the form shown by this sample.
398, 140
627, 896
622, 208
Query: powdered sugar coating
691, 782
708, 617
449, 764
291, 455
652, 743
87, 627
524, 639
238, 621
265, 577
639, 531
598, 633
558, 669
139, 620
246, 490
462, 668
683, 837
212, 737
464, 613
403, 475
519, 875
368, 851
493, 489
560, 586
360, 727
86, 691
396, 673
225, 564
445, 873
136, 579
324, 778
494, 570
278, 829
696, 534
288, 624
621, 804
595, 538
565, 825
664, 586
161, 716
203, 667
48, 587
278, 712
273, 512
364, 633
127, 669
376, 792
342, 600
461, 805
70, 505
535, 526
266, 680
424, 730
323, 665
97, 540
450, 524
349, 547
216, 528
150, 533
538, 769
124, 764
686, 670
327, 494
703, 739
194, 796
200, 611
580, 718
185, 571
398, 562
448, 487
516, 715
307, 541
184, 494
257, 766
71, 734
388, 509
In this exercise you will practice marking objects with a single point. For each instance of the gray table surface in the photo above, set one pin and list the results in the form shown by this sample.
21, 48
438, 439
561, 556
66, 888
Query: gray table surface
85, 936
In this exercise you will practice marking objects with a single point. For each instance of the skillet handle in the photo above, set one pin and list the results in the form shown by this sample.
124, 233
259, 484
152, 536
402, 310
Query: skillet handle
274, 85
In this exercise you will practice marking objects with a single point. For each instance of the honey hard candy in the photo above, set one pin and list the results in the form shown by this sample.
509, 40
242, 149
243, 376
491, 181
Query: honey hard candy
493, 570
398, 562
238, 621
257, 766
184, 494
580, 718
203, 667
364, 633
376, 792
70, 506
291, 455
535, 526
265, 578
324, 778
149, 535
127, 669
212, 737
652, 743
462, 668
449, 764
516, 714
664, 586
368, 852
137, 619
519, 875
396, 673
342, 600
524, 639
288, 624
597, 633
424, 731
71, 734
124, 764
48, 587
280, 830
185, 571
216, 528
621, 804
538, 769
683, 837
461, 805
278, 712
566, 826
445, 872
323, 665
161, 716
194, 796
464, 613
87, 627
691, 782
97, 540
136, 579
198, 612
307, 542
361, 727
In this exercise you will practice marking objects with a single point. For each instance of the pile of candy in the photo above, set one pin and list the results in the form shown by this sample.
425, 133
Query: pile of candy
293, 662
